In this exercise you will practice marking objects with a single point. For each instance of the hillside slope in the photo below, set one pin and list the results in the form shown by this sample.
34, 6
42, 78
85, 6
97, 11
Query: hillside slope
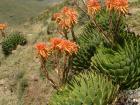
16, 12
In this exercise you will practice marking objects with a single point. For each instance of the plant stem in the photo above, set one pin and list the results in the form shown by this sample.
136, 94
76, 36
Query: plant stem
110, 20
66, 35
116, 36
67, 68
73, 34
44, 70
2, 33
64, 69
58, 68
69, 65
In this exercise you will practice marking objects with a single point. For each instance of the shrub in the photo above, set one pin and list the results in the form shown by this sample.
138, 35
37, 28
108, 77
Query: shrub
10, 43
86, 89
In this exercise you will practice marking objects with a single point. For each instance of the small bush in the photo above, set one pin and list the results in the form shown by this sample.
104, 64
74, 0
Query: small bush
10, 43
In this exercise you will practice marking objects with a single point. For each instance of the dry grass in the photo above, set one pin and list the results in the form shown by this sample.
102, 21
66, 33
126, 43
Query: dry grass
24, 59
134, 19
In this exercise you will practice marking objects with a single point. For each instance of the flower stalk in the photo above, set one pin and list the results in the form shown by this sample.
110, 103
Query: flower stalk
73, 35
44, 70
58, 47
118, 6
66, 19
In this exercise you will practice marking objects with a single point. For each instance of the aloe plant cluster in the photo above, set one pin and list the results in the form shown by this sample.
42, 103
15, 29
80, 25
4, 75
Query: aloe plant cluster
10, 42
108, 58
86, 89
123, 65
113, 48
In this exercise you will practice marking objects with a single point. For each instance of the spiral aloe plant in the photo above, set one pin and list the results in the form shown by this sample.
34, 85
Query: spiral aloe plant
86, 89
123, 65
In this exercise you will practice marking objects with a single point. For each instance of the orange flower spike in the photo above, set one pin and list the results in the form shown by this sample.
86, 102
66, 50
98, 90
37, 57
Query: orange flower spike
3, 26
55, 42
42, 50
109, 4
93, 6
121, 6
74, 47
61, 20
64, 45
65, 10
70, 16
71, 48
73, 16
65, 19
64, 24
56, 17
68, 47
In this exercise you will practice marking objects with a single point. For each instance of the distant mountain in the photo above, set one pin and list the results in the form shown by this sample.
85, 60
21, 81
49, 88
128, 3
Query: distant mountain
17, 11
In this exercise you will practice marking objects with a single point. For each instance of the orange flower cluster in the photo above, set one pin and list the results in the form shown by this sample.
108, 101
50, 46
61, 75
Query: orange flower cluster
3, 26
64, 46
59, 44
93, 6
42, 49
66, 18
119, 5
54, 42
109, 4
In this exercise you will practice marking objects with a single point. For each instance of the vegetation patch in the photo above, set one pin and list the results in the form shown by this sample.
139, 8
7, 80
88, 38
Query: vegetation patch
12, 41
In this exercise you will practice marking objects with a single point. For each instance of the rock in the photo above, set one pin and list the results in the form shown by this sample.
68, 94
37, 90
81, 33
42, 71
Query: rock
133, 97
129, 97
